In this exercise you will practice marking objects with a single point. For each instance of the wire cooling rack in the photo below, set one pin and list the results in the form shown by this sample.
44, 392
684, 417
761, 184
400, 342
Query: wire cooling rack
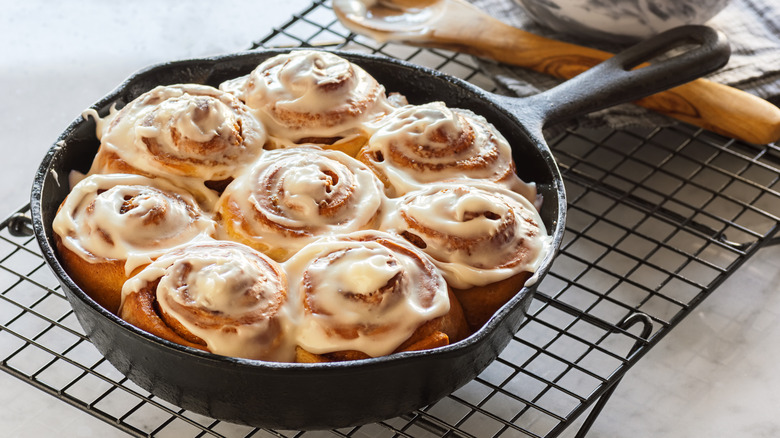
657, 219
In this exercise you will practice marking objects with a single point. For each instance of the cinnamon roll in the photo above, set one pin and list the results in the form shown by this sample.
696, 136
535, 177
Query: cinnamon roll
109, 225
486, 239
420, 144
368, 294
217, 296
290, 197
308, 96
187, 132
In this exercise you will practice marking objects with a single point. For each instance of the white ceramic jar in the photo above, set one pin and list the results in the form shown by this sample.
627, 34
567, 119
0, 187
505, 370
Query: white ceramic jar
620, 20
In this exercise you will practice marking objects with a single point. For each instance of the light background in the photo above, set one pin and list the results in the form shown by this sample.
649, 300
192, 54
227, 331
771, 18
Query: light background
714, 375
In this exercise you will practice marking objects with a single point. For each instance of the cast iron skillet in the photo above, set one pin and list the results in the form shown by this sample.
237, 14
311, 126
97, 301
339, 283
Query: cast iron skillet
332, 395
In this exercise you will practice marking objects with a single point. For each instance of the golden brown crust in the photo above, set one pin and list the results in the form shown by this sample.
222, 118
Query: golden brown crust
108, 161
141, 310
350, 145
480, 303
238, 228
102, 280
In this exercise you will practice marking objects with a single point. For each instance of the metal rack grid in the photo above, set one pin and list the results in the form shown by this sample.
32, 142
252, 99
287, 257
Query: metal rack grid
657, 219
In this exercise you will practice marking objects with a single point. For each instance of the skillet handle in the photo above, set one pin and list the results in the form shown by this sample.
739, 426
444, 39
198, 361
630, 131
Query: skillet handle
618, 80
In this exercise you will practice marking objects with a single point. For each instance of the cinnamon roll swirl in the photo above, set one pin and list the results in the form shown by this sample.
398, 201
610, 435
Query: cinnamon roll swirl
309, 96
369, 294
290, 197
486, 239
186, 131
420, 144
217, 296
109, 225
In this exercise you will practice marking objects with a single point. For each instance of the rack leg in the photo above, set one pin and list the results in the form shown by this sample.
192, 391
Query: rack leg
627, 323
20, 225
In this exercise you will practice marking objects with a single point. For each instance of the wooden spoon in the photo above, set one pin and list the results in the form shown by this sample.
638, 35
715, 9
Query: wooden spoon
458, 26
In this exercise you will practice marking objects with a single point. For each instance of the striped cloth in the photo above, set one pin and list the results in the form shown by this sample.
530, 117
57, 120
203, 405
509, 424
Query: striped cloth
752, 28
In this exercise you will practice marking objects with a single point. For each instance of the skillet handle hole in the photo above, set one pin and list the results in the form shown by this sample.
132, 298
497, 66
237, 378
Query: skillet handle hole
672, 52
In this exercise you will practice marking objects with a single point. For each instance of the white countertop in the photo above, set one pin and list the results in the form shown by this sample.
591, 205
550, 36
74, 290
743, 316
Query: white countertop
714, 375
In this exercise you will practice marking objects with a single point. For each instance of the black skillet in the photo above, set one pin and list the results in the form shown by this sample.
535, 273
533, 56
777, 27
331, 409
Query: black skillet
333, 395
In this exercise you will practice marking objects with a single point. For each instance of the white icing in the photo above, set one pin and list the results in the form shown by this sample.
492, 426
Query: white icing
346, 274
228, 295
420, 144
309, 93
99, 122
98, 222
303, 188
302, 194
365, 272
477, 233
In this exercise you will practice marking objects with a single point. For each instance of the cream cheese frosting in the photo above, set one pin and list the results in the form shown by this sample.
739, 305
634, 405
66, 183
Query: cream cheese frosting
416, 145
309, 93
366, 291
184, 130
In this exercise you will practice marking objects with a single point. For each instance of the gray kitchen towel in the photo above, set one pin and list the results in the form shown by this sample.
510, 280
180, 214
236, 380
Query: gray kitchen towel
751, 26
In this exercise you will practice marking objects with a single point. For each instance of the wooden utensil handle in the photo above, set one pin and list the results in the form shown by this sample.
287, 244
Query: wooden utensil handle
707, 104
